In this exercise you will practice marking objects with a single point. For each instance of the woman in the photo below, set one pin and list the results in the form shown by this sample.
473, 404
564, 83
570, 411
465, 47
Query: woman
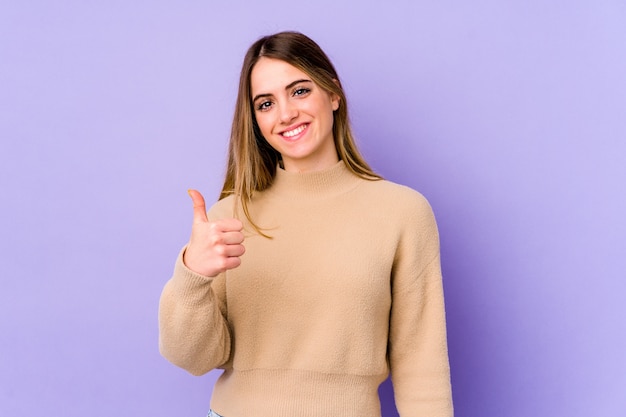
339, 282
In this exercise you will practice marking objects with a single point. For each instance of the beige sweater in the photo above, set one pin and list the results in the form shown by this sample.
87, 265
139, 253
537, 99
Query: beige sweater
347, 290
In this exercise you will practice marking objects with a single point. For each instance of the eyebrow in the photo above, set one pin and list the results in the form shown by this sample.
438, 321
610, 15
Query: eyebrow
287, 87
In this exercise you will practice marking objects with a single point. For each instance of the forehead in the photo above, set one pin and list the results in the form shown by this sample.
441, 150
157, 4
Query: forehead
273, 75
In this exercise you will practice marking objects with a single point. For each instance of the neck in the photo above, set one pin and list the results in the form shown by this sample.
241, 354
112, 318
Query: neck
305, 166
312, 184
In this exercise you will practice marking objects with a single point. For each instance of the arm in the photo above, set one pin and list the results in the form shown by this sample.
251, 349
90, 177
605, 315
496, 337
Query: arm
193, 331
418, 352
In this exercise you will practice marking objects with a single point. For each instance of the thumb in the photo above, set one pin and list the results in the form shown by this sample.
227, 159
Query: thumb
199, 207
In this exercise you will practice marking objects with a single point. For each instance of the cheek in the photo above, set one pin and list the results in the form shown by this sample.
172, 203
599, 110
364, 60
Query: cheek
264, 124
325, 112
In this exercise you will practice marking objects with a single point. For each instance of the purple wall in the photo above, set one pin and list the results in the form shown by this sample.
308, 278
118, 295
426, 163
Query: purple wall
509, 116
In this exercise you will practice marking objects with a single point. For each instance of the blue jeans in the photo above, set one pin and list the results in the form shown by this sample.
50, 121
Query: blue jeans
213, 414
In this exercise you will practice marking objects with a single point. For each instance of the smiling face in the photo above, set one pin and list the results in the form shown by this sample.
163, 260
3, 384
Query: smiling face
294, 115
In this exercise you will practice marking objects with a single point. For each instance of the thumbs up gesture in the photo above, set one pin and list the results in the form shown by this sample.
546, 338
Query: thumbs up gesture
214, 246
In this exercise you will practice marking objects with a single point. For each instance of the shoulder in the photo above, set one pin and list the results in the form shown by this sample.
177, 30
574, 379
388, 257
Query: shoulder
396, 197
401, 209
411, 216
222, 209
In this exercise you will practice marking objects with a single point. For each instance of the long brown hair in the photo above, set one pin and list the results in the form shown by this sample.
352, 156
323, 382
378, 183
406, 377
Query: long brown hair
252, 161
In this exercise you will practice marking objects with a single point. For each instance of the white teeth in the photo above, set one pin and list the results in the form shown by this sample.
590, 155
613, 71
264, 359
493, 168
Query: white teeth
294, 132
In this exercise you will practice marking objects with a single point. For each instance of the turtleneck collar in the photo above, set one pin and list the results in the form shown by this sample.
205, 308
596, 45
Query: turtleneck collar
333, 180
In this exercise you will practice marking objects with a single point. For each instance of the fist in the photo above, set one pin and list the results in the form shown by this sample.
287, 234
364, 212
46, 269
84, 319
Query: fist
214, 246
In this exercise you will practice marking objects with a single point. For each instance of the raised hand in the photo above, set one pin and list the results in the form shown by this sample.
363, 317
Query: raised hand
214, 246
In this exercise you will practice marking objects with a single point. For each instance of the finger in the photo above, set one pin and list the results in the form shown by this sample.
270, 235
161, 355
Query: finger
199, 207
232, 238
233, 251
228, 225
231, 263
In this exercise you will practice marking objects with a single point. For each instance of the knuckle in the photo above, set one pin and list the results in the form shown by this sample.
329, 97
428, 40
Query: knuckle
218, 264
224, 264
215, 238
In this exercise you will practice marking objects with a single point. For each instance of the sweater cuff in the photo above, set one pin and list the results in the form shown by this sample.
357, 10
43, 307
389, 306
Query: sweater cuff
191, 287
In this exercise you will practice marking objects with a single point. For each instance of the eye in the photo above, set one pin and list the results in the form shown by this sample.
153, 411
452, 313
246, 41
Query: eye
264, 105
302, 91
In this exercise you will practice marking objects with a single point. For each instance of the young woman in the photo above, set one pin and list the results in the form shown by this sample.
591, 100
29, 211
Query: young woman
312, 278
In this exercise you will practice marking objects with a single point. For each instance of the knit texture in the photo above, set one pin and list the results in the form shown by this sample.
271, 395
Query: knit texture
347, 289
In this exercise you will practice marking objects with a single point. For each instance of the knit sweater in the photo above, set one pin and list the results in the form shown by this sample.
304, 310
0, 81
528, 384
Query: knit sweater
347, 289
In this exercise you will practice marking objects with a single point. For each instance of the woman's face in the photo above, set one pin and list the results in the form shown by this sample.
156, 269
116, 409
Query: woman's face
294, 114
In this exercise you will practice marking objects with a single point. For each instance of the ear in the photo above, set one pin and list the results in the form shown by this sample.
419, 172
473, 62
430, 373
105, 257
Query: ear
334, 98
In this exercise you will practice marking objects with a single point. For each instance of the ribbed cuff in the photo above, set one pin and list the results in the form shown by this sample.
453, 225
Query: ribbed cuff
191, 287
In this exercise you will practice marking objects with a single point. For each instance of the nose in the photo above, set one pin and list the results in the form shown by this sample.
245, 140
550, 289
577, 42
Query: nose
288, 112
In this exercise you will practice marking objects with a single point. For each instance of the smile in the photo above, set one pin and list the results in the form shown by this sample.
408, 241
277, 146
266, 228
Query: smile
294, 132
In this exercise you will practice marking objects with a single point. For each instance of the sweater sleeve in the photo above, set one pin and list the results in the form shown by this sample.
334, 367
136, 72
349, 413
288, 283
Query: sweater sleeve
193, 331
418, 353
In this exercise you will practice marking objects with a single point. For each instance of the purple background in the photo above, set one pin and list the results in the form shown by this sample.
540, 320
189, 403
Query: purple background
510, 116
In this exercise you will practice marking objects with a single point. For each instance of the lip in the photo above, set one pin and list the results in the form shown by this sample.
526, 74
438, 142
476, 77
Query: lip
292, 128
